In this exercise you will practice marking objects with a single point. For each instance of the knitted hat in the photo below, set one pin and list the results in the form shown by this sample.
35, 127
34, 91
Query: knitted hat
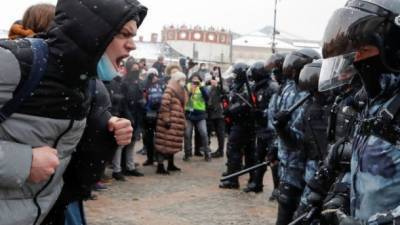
152, 71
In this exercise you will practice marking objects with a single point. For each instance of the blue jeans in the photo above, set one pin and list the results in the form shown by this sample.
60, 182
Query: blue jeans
201, 127
74, 214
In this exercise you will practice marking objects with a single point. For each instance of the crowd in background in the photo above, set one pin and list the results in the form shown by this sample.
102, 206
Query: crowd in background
150, 96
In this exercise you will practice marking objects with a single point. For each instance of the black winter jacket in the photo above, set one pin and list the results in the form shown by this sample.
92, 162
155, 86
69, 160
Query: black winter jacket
96, 147
75, 48
132, 90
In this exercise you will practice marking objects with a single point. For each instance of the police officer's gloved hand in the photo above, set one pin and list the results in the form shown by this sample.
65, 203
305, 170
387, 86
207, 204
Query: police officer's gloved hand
315, 199
337, 217
281, 119
337, 202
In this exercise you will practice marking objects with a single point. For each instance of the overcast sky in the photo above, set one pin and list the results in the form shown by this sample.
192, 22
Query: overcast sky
304, 18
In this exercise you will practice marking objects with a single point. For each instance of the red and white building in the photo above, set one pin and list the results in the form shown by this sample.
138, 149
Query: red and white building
210, 45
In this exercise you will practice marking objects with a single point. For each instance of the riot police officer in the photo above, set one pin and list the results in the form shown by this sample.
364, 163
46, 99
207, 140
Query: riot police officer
312, 122
264, 87
274, 64
365, 33
242, 136
291, 150
330, 186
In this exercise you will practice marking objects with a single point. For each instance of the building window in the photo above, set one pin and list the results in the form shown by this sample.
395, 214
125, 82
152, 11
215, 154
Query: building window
211, 37
182, 35
197, 36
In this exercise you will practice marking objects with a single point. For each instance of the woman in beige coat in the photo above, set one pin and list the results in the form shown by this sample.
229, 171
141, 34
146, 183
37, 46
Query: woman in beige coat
171, 122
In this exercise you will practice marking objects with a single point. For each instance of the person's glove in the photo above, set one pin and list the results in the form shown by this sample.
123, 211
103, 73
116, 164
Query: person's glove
281, 119
337, 217
315, 199
337, 202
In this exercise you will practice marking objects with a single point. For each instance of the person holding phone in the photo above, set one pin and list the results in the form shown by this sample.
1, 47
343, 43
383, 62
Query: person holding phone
196, 115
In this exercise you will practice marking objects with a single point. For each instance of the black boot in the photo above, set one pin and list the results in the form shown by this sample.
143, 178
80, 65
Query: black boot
118, 176
217, 154
171, 166
230, 184
253, 187
198, 153
274, 195
288, 199
256, 181
207, 156
285, 213
161, 170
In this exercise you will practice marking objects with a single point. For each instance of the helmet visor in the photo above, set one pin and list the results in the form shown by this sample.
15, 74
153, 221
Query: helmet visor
341, 32
336, 72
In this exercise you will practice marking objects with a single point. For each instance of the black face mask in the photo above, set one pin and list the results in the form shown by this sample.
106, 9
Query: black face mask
370, 71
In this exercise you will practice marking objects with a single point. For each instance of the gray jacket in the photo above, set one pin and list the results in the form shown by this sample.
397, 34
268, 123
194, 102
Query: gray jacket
18, 135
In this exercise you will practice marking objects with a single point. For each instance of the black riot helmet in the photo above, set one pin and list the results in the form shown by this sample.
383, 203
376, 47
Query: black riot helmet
257, 72
275, 64
239, 72
296, 60
358, 24
309, 76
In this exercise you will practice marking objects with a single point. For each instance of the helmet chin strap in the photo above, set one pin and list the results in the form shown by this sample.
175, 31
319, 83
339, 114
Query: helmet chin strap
383, 56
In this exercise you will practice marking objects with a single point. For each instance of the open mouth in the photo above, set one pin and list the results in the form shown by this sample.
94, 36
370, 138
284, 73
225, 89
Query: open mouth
118, 61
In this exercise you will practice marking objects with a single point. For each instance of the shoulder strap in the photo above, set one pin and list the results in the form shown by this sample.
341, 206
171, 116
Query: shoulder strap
391, 108
39, 66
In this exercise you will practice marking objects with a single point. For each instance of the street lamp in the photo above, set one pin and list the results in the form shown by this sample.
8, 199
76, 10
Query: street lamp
273, 47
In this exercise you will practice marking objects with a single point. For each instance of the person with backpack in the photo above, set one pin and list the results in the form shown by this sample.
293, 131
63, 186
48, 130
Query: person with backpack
45, 100
154, 89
